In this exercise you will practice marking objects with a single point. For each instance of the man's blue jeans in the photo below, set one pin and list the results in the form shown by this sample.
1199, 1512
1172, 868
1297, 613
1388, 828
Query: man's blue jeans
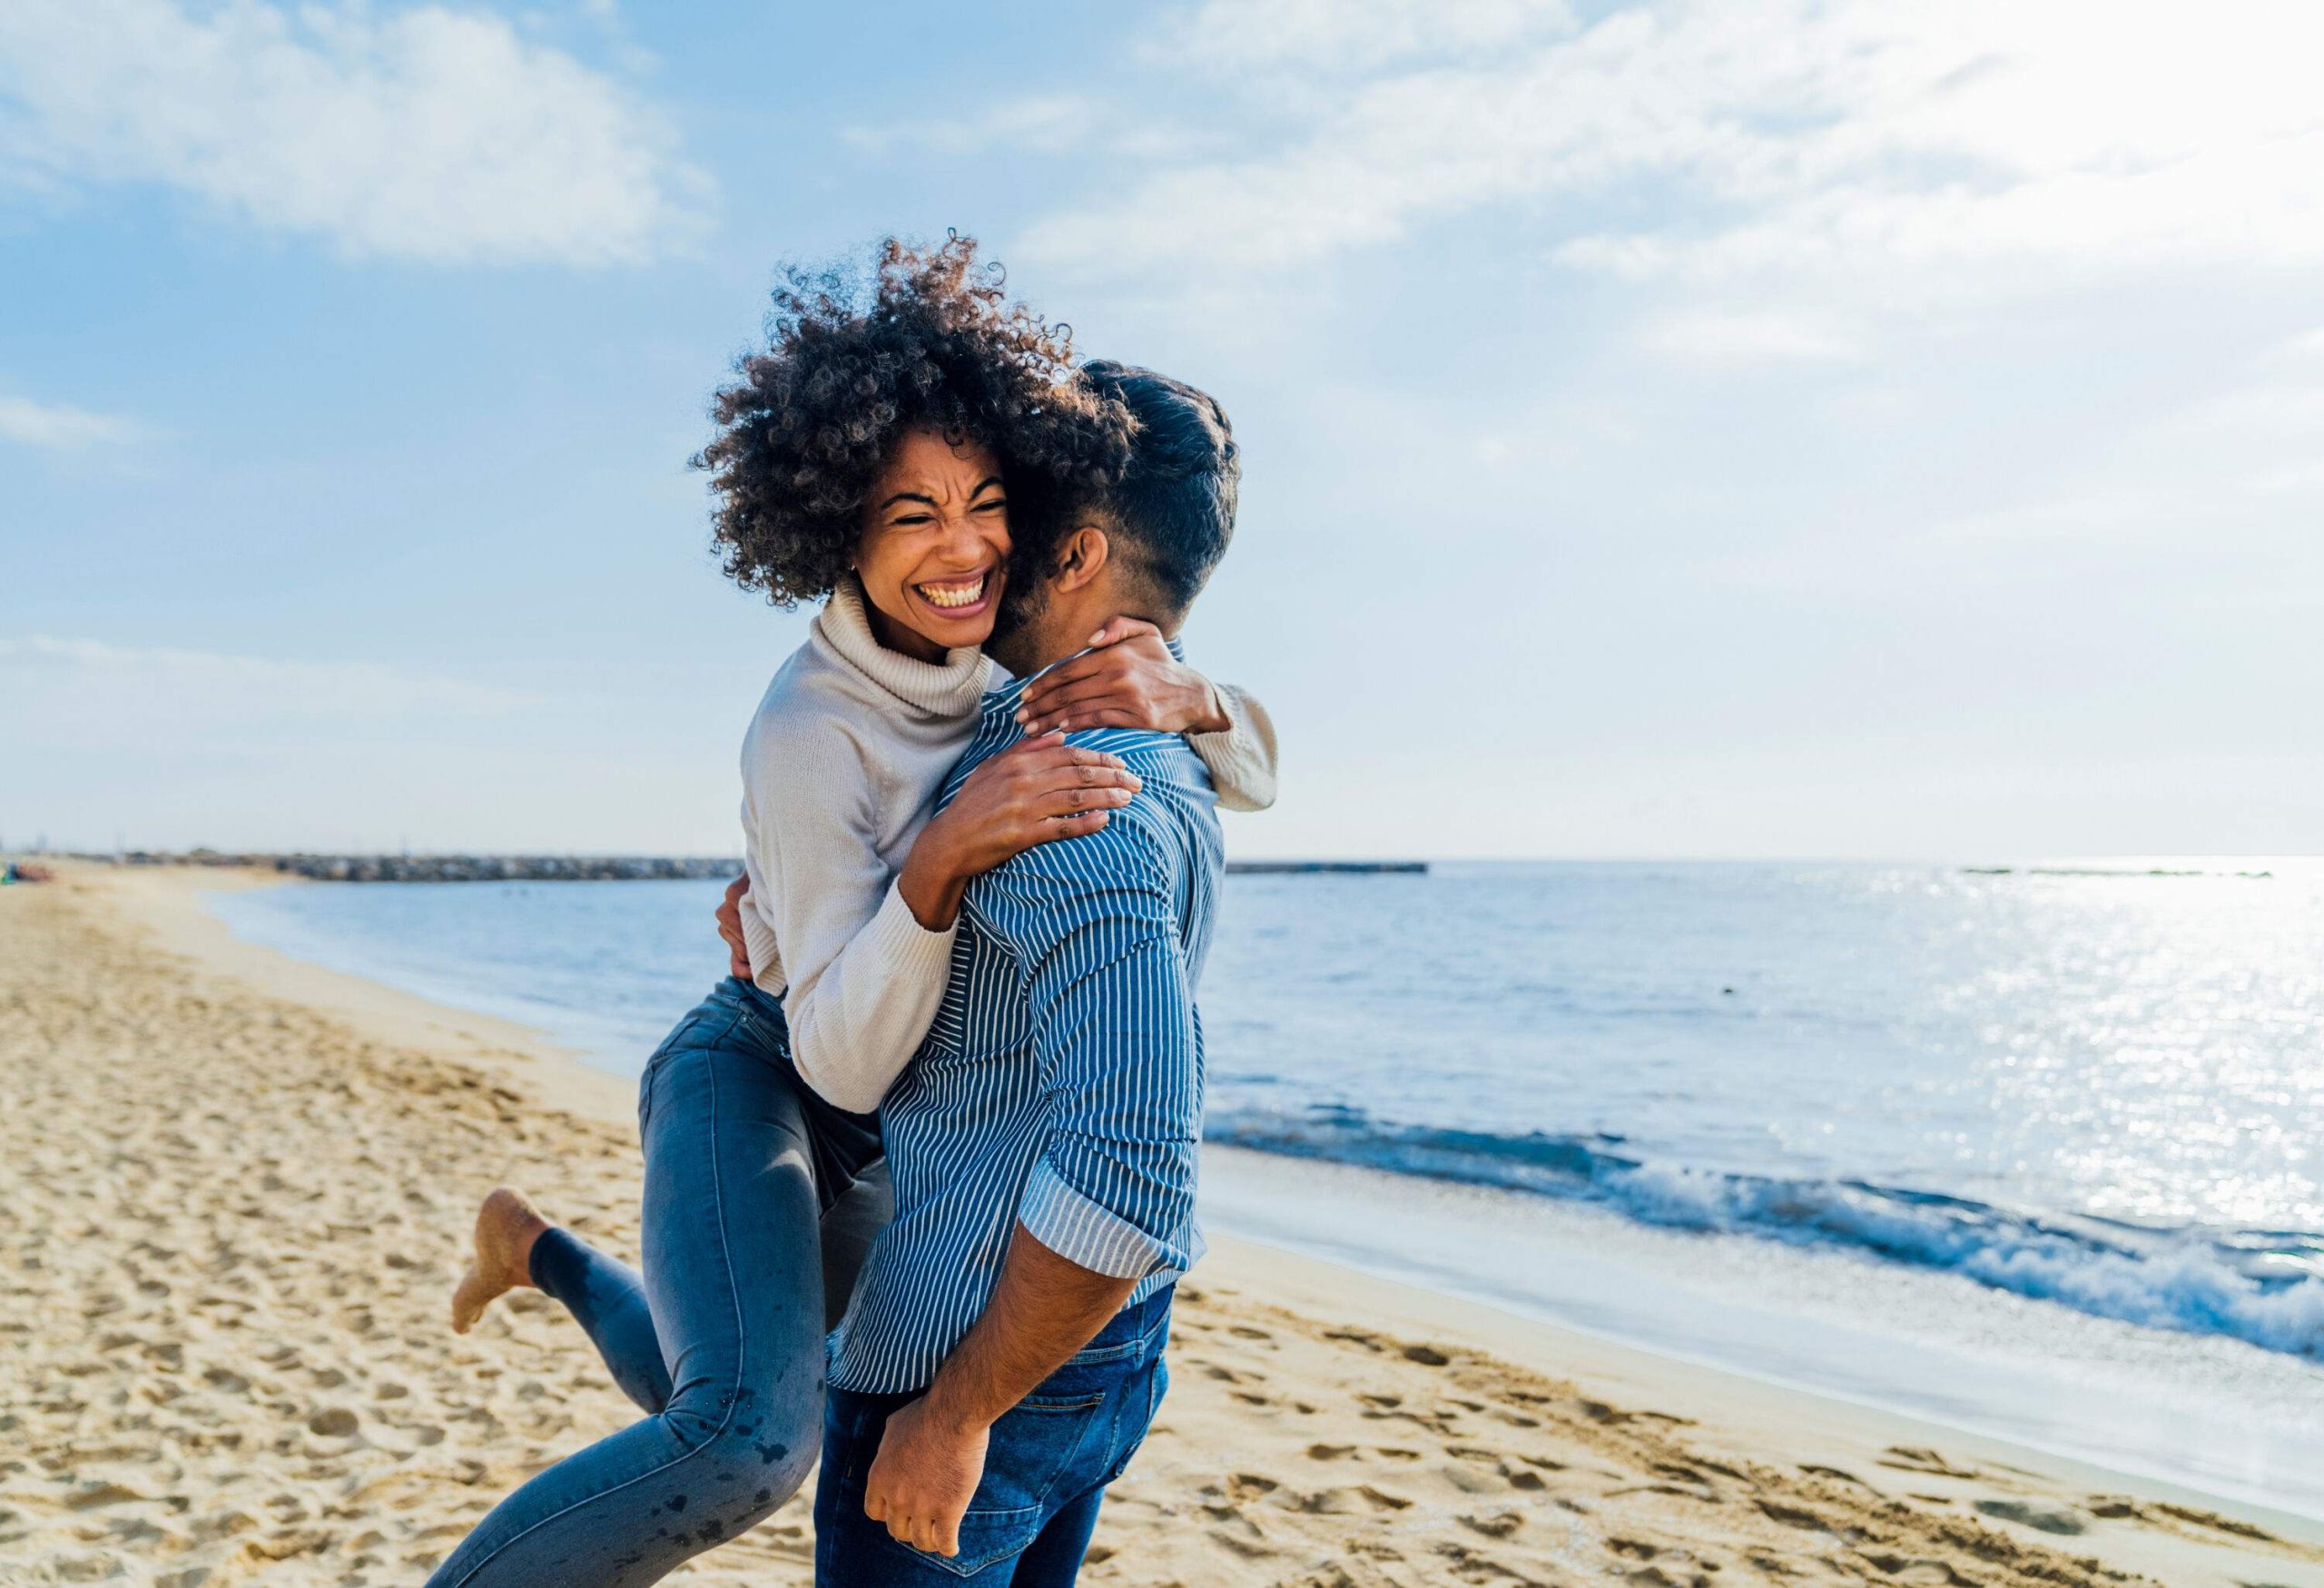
1045, 1471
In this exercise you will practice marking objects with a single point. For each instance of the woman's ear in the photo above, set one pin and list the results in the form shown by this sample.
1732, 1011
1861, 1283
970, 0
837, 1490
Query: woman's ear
1082, 557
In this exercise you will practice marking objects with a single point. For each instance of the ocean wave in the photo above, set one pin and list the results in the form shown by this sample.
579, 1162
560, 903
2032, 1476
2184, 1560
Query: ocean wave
2265, 1288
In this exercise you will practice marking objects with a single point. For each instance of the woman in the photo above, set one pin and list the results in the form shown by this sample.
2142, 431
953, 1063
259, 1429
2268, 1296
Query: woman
878, 456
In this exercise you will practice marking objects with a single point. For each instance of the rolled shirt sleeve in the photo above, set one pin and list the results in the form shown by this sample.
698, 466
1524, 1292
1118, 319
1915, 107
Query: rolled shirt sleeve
1113, 1033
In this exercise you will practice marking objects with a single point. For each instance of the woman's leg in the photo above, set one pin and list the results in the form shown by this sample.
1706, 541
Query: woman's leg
850, 1224
607, 1299
732, 1280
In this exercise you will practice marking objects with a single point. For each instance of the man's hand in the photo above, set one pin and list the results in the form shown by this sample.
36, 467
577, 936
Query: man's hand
932, 1456
924, 1477
729, 927
1129, 679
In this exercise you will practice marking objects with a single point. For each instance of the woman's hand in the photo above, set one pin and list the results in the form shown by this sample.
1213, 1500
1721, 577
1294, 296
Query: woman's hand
729, 927
1129, 679
1030, 794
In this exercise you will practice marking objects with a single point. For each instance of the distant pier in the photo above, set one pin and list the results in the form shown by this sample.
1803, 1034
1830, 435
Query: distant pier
461, 868
600, 868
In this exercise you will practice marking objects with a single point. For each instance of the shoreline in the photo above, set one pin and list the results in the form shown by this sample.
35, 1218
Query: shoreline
2212, 1415
1864, 1422
1259, 1370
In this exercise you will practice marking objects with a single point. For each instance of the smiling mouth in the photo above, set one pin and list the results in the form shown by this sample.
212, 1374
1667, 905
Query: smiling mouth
956, 595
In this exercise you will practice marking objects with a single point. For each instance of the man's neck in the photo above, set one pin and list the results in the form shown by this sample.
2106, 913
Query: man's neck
1061, 632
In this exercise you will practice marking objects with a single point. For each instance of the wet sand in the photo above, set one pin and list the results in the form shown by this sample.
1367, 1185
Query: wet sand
235, 1193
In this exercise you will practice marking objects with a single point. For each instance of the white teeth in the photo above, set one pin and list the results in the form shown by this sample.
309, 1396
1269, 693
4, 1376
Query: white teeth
967, 595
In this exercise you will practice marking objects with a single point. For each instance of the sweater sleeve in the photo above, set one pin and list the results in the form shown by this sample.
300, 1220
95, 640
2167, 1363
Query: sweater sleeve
1241, 758
860, 977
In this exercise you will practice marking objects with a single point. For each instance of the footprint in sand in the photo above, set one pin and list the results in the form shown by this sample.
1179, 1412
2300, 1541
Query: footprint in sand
1355, 1500
1500, 1524
1798, 1517
2059, 1518
1920, 1573
1920, 1459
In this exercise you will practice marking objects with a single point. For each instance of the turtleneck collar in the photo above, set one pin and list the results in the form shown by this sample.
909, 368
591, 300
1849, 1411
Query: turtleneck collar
952, 688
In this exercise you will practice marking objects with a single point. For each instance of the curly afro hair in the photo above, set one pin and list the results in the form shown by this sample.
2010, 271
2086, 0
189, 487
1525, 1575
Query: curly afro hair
928, 339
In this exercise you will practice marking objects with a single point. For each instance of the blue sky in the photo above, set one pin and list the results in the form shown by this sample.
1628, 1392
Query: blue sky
1736, 427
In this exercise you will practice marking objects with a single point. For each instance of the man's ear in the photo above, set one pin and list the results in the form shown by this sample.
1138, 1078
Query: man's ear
1082, 557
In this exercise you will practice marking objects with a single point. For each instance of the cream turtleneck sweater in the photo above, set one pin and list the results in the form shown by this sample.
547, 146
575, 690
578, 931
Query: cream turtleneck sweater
841, 767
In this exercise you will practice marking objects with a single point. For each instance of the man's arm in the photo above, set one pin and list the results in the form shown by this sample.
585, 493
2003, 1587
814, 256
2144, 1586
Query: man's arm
1111, 1198
931, 1457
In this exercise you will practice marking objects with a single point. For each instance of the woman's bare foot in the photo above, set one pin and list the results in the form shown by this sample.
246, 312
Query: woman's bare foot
505, 1228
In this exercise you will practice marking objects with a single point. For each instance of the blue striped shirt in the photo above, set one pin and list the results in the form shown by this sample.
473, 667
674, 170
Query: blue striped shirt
1060, 1085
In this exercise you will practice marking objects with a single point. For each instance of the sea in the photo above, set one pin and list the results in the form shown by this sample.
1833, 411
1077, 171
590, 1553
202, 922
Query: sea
2035, 1150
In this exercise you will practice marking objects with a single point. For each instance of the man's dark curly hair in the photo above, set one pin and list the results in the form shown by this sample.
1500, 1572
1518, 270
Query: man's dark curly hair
927, 338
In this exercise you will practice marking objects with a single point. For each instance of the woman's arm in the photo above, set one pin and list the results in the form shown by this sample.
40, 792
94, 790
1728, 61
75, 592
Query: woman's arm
1240, 755
860, 977
1129, 679
863, 958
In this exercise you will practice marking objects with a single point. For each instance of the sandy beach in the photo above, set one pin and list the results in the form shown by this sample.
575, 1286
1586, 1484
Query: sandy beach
237, 1191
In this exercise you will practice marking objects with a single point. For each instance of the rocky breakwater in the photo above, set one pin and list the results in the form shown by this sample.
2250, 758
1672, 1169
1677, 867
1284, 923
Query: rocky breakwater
504, 868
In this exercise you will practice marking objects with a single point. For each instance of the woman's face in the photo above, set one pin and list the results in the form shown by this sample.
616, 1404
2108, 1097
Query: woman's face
935, 548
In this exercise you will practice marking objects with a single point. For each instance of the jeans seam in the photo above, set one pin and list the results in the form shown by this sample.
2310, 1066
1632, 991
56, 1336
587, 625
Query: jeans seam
742, 1357
1057, 1477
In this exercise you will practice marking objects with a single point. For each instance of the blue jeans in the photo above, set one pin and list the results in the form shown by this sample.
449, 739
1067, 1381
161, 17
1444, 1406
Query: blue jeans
1045, 1471
751, 1182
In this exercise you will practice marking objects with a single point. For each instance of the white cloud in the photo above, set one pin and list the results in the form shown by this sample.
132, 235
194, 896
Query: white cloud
59, 429
55, 690
1714, 337
1776, 133
426, 133
1329, 34
1053, 123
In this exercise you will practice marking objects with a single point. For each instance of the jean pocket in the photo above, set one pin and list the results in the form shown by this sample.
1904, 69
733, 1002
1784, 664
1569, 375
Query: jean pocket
1037, 1449
1086, 1377
704, 1026
986, 1536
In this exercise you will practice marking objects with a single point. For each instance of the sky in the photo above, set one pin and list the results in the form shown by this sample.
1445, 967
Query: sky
1709, 427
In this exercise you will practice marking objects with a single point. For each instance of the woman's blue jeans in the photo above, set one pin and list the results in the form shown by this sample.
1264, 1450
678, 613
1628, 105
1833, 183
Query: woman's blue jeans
751, 1178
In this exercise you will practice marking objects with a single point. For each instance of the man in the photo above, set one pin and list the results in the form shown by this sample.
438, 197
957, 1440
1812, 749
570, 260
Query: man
1001, 1357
